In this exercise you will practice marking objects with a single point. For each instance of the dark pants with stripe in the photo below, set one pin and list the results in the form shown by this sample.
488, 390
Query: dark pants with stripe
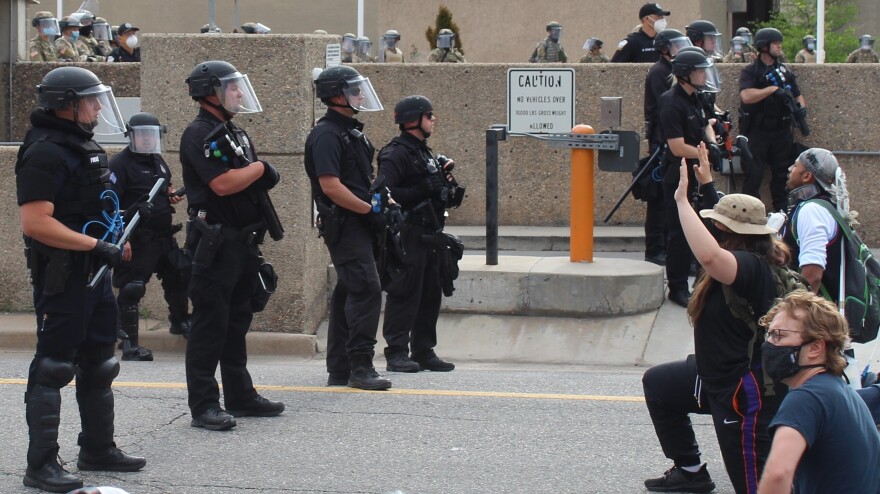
740, 410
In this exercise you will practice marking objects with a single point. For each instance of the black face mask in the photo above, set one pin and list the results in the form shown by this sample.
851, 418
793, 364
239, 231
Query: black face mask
781, 362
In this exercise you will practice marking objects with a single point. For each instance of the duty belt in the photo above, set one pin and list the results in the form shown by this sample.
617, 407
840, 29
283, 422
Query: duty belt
250, 235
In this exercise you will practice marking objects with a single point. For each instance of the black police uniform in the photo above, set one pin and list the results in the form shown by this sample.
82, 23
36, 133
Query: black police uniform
413, 303
656, 83
224, 271
681, 116
336, 146
639, 48
768, 125
76, 326
120, 54
154, 248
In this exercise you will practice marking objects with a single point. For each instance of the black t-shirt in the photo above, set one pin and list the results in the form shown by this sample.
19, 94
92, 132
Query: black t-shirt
237, 210
133, 175
656, 83
754, 76
721, 340
337, 146
637, 47
681, 115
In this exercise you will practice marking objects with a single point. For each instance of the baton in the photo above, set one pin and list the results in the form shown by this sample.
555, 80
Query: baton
633, 183
129, 228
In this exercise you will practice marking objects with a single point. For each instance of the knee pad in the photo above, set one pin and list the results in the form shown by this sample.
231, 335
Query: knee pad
100, 376
54, 373
132, 293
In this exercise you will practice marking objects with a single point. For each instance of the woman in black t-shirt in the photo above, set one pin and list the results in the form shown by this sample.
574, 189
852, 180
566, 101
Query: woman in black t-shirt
724, 377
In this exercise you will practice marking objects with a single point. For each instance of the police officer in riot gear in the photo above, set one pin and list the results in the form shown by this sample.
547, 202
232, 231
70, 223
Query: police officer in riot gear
766, 118
154, 249
61, 181
705, 35
224, 180
338, 162
417, 180
684, 123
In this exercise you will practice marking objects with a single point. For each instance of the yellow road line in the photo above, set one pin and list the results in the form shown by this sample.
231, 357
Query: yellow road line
404, 392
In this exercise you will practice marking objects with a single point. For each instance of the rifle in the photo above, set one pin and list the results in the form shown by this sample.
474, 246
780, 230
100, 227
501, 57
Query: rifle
220, 144
380, 199
632, 184
129, 228
798, 112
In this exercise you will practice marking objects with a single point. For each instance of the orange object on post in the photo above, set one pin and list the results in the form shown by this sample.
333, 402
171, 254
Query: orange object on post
582, 188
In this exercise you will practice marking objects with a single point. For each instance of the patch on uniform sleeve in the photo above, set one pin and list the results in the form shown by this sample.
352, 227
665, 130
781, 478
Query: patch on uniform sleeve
621, 44
112, 177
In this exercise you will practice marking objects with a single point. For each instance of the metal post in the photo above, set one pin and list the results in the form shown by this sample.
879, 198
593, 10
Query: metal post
212, 19
582, 189
493, 135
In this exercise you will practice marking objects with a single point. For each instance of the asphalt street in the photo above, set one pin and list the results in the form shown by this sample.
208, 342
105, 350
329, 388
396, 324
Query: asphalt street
483, 428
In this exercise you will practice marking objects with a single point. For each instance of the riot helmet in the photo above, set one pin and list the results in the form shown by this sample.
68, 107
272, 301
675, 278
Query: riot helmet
46, 23
593, 44
445, 38
77, 88
255, 28
206, 29
232, 88
690, 59
343, 80
736, 44
705, 35
745, 34
671, 40
809, 42
70, 21
101, 29
363, 46
85, 17
391, 37
766, 36
146, 135
348, 42
866, 42
555, 30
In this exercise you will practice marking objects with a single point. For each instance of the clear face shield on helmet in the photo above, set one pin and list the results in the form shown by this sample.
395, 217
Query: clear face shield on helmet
260, 28
555, 33
591, 44
101, 31
390, 42
361, 96
364, 46
713, 78
237, 95
676, 44
712, 45
445, 40
347, 44
146, 139
746, 36
867, 44
49, 26
95, 110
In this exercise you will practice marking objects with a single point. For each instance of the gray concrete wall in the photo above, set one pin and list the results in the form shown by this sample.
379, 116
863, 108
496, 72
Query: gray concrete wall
468, 99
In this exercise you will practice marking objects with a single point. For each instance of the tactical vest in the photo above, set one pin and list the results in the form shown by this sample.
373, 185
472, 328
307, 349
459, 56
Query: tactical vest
551, 51
79, 198
357, 151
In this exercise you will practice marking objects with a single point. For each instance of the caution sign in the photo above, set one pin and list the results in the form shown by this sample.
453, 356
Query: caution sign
540, 101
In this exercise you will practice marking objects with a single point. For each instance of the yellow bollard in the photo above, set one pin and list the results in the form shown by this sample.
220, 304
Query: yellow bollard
581, 249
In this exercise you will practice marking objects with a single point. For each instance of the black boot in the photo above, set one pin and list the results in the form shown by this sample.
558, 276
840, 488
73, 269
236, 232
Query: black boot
111, 459
364, 376
400, 362
51, 477
129, 320
430, 361
177, 313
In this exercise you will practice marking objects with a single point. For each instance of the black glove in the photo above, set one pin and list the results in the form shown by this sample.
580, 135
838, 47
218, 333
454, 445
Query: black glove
108, 252
376, 221
714, 156
144, 208
433, 184
269, 178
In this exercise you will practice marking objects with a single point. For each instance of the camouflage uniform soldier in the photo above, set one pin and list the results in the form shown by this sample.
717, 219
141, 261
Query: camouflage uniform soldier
86, 44
549, 50
65, 45
865, 53
363, 47
595, 55
97, 38
808, 53
390, 52
749, 51
348, 42
445, 51
41, 48
737, 53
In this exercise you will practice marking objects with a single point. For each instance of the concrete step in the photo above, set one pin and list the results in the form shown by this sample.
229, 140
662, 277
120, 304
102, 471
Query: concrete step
552, 238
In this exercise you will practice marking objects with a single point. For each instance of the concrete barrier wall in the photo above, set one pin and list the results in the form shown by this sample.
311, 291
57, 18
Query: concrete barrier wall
468, 98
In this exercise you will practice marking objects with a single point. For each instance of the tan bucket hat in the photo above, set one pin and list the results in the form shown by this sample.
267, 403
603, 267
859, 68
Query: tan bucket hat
741, 213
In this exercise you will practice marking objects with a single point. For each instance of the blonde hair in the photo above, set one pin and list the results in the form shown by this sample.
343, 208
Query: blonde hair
820, 320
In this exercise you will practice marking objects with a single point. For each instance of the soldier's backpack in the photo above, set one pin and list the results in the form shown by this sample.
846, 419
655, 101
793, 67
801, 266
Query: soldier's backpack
860, 272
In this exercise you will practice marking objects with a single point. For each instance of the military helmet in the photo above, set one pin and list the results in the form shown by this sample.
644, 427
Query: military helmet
737, 39
41, 15
255, 28
808, 38
688, 60
866, 37
63, 85
765, 36
100, 20
743, 30
332, 80
349, 35
391, 34
85, 17
447, 32
205, 77
70, 21
697, 30
411, 108
553, 24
